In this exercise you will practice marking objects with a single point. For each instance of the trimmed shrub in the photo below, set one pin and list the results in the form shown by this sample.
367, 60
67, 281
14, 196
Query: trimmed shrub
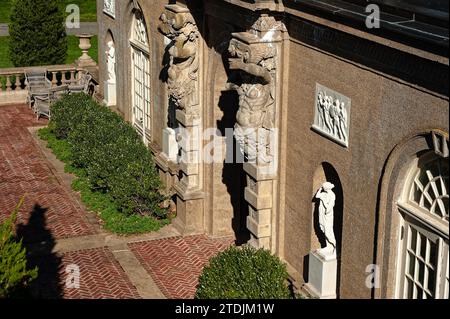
111, 154
38, 34
68, 112
244, 273
14, 274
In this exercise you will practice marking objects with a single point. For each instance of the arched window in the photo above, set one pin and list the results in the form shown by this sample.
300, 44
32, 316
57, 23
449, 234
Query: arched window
423, 267
140, 64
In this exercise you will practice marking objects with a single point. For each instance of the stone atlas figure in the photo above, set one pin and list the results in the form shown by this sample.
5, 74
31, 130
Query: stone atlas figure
326, 216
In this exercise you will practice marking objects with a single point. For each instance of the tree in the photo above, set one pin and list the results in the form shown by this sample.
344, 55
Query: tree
37, 33
14, 274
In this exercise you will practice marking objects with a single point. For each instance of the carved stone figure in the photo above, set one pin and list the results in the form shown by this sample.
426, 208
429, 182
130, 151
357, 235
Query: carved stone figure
332, 111
255, 117
327, 200
343, 121
111, 62
181, 29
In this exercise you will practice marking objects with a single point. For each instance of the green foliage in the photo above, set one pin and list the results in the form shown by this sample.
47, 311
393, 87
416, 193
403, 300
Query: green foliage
88, 9
5, 62
14, 274
244, 273
67, 113
37, 33
73, 50
118, 178
115, 221
5, 10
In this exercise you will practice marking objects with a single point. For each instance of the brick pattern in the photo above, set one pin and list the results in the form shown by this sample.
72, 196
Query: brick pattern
24, 171
176, 263
51, 213
101, 276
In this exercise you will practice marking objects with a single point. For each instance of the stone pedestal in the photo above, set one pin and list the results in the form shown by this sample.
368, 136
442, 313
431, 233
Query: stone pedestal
110, 93
322, 276
189, 220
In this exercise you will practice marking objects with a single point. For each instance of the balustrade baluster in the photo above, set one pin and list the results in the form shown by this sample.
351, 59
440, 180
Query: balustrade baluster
54, 79
17, 85
8, 83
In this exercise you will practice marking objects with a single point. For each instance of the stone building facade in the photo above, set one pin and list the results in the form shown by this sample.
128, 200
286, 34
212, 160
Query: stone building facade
329, 99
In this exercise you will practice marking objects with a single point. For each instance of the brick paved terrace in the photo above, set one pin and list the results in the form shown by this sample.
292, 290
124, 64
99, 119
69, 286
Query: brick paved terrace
59, 232
176, 263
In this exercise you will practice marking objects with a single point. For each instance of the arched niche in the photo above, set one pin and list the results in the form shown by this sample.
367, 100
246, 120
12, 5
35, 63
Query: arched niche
110, 85
327, 173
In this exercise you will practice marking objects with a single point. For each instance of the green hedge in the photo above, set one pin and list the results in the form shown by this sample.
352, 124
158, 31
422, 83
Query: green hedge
110, 153
14, 275
244, 273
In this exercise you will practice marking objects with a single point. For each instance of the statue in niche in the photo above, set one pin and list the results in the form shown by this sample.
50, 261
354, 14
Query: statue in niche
111, 62
327, 200
255, 117
183, 65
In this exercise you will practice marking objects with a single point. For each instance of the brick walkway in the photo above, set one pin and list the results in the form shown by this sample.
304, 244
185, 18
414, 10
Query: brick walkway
25, 172
176, 263
58, 233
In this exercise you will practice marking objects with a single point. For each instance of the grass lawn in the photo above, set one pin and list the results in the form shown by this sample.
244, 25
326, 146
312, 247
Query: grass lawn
4, 55
5, 8
73, 52
88, 9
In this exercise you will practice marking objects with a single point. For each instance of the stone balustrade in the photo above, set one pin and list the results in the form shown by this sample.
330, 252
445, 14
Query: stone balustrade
14, 78
13, 86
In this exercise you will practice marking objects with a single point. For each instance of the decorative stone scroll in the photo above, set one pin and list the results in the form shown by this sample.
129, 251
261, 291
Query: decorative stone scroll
179, 26
332, 115
255, 54
109, 7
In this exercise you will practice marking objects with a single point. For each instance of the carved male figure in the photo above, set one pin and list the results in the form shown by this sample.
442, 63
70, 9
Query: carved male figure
343, 121
327, 200
254, 119
183, 66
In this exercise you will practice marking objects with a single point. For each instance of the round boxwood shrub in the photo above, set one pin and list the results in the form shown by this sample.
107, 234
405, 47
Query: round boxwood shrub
244, 273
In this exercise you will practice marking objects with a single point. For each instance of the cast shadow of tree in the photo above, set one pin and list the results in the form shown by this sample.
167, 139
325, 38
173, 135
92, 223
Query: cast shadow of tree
39, 244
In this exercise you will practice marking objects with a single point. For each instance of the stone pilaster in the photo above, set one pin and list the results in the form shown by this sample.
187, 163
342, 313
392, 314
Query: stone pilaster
256, 55
183, 83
